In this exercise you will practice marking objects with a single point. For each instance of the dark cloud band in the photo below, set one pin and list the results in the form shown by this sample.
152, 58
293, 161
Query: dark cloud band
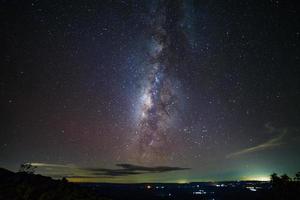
124, 169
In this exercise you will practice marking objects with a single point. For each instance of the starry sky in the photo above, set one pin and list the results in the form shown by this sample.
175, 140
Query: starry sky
150, 91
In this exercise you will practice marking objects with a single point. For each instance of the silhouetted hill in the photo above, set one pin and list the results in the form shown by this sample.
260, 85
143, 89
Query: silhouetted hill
5, 172
24, 186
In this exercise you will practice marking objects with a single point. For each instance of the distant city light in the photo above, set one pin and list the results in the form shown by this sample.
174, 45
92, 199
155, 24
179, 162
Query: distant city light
253, 189
257, 178
220, 185
184, 181
199, 192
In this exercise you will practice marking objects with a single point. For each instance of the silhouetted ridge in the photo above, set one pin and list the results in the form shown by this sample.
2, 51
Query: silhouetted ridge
24, 186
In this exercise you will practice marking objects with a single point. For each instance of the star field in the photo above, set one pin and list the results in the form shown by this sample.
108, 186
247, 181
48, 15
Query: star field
208, 86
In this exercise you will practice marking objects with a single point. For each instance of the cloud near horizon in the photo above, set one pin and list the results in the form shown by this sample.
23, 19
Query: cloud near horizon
271, 143
124, 169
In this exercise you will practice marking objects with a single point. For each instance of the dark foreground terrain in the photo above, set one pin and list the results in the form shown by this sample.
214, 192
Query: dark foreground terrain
25, 186
224, 190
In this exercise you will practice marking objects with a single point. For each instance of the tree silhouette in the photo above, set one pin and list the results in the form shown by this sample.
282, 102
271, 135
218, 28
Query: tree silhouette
275, 180
285, 179
297, 176
284, 187
27, 168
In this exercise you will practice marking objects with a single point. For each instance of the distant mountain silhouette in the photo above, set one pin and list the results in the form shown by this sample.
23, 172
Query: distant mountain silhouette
25, 186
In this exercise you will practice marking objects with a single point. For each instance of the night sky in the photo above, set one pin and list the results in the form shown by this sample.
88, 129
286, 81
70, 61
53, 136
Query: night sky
150, 91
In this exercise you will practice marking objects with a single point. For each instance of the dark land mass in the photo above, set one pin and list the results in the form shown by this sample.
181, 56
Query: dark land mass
27, 186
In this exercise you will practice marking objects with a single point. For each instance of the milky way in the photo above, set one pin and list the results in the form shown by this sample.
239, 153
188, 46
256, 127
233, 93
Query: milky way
159, 97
